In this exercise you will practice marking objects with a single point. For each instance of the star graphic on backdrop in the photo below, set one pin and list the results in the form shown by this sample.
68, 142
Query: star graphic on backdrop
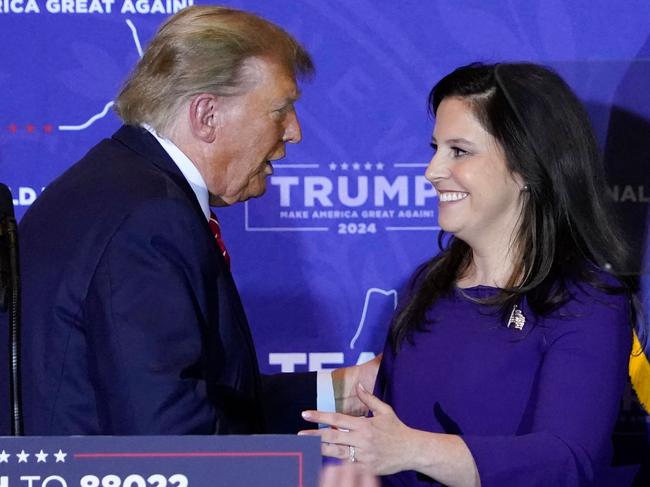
22, 456
333, 166
41, 457
344, 166
60, 456
380, 165
4, 457
368, 166
356, 166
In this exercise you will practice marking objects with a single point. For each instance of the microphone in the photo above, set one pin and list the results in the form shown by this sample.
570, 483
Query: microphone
7, 229
10, 300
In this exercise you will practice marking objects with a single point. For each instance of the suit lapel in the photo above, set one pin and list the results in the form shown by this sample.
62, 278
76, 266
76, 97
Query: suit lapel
143, 143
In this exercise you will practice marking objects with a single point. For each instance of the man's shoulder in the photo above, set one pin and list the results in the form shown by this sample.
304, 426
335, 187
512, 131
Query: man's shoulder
131, 154
96, 194
114, 171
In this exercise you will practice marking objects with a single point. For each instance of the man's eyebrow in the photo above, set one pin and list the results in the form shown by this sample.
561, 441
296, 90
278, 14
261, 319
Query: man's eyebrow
289, 100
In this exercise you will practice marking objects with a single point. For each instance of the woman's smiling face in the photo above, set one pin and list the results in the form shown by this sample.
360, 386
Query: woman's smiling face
479, 199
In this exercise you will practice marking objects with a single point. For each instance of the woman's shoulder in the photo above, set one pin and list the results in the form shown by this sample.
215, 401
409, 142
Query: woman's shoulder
597, 287
599, 303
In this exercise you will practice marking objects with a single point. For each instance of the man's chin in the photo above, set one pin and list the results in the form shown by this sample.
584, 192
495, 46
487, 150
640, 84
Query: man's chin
218, 201
257, 194
254, 193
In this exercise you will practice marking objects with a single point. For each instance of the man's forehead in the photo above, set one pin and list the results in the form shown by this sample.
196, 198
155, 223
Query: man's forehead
264, 70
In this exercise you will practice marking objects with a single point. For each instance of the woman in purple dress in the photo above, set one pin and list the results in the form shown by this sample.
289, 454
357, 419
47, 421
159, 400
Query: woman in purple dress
506, 363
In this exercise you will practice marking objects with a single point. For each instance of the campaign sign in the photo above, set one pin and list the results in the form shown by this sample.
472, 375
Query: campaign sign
159, 461
345, 197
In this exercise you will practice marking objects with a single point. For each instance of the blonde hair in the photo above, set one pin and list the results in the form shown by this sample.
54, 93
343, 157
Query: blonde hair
202, 49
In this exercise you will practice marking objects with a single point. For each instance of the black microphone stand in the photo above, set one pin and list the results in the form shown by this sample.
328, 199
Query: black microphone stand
10, 300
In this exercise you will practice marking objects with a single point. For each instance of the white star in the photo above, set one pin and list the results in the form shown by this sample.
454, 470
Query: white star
60, 456
368, 166
333, 166
4, 457
22, 456
344, 166
41, 457
356, 166
380, 165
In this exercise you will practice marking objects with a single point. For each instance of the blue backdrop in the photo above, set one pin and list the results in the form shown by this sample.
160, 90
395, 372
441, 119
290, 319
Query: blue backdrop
320, 259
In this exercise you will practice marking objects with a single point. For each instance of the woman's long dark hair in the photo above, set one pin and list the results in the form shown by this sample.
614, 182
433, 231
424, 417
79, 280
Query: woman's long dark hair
566, 230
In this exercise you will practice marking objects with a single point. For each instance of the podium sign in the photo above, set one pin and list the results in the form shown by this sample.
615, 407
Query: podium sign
159, 461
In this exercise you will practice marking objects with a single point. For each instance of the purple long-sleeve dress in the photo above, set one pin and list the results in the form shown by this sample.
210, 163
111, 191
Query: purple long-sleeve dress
535, 406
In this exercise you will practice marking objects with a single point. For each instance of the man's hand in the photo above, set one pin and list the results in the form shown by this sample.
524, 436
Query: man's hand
347, 475
345, 381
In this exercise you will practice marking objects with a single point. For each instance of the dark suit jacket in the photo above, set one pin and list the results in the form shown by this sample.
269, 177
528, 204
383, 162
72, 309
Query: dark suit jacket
132, 323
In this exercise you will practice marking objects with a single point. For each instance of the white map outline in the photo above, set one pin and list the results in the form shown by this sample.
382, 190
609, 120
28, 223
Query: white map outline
136, 38
107, 107
89, 122
362, 322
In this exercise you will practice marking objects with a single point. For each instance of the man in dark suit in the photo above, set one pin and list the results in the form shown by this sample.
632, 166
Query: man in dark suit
132, 321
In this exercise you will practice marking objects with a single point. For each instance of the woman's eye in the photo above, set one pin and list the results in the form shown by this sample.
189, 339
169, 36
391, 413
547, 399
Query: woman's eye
458, 152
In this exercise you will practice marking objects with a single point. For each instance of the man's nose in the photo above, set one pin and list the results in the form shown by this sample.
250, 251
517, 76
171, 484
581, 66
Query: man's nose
292, 131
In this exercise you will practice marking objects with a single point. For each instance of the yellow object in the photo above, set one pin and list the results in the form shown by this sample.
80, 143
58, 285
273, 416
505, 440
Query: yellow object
640, 373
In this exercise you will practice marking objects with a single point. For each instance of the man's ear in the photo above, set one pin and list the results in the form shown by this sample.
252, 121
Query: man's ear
204, 116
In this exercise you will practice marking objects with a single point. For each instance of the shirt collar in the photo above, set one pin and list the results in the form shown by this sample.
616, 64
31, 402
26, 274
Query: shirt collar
189, 170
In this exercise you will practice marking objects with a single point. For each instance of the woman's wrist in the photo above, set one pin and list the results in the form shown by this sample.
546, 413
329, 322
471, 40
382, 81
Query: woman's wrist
445, 458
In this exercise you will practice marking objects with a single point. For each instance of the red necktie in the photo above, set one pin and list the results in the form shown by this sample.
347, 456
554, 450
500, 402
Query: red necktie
216, 231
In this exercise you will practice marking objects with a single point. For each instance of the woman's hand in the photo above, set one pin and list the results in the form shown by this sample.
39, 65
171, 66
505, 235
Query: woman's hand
382, 442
